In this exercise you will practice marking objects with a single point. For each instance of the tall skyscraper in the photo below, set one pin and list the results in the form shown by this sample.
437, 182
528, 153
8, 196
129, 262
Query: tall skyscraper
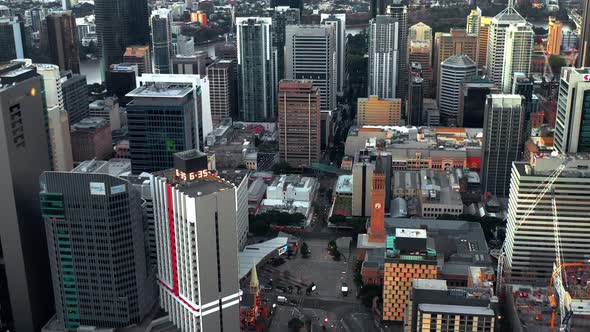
120, 23
339, 23
530, 250
24, 156
374, 111
75, 96
473, 21
420, 51
378, 8
222, 90
95, 232
58, 119
572, 130
299, 122
384, 44
453, 72
62, 39
321, 68
498, 52
160, 23
399, 11
256, 68
555, 37
503, 141
584, 41
12, 38
281, 17
122, 80
196, 239
482, 40
517, 53
472, 101
154, 139
139, 55
456, 42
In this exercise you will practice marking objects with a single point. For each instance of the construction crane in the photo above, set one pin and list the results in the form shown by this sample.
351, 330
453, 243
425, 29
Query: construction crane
565, 300
544, 187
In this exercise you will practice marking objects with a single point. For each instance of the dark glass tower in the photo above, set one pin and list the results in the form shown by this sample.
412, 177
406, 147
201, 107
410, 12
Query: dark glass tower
62, 39
120, 23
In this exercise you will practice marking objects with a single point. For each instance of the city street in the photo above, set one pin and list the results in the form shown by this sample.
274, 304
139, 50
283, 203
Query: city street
342, 313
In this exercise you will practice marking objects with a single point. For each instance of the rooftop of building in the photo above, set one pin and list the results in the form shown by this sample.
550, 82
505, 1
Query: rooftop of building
455, 309
113, 167
458, 244
577, 165
235, 176
161, 90
429, 284
204, 186
397, 140
344, 185
292, 181
459, 61
410, 233
90, 124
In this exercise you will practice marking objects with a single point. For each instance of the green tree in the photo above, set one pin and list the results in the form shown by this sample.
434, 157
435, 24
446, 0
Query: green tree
556, 62
305, 250
369, 292
295, 325
282, 167
332, 248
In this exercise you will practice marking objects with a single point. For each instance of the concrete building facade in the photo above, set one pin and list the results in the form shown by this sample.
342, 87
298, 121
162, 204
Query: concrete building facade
62, 39
321, 68
374, 111
299, 122
197, 247
572, 133
455, 42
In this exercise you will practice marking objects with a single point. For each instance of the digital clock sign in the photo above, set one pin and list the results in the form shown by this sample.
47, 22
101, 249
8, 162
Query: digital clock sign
192, 175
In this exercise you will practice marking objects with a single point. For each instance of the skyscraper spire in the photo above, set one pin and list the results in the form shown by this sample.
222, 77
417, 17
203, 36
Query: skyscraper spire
254, 284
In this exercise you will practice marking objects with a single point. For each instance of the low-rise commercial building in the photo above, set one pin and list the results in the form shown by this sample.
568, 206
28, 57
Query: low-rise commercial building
91, 139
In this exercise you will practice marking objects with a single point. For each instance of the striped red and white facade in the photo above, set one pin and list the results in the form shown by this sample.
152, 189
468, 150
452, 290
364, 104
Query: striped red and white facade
196, 241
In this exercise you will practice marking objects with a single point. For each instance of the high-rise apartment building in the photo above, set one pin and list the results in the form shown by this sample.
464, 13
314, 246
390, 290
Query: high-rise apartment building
420, 52
572, 130
482, 40
339, 23
58, 119
503, 133
406, 258
12, 37
498, 52
120, 24
75, 96
161, 119
195, 218
161, 32
384, 44
472, 101
321, 68
517, 53
456, 42
24, 155
62, 39
555, 37
139, 55
473, 21
95, 234
530, 249
256, 68
299, 122
375, 111
281, 17
222, 90
453, 72
399, 11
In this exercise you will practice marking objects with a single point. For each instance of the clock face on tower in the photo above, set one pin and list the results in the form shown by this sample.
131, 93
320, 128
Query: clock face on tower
377, 206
